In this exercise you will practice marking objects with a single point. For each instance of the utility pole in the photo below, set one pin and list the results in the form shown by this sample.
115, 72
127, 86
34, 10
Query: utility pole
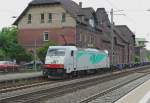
35, 55
112, 36
64, 39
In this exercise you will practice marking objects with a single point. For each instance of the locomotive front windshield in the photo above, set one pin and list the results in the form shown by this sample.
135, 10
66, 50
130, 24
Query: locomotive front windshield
56, 52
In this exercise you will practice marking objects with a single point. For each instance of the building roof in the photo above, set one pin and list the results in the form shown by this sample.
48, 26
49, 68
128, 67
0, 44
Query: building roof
141, 39
127, 34
104, 23
37, 2
87, 12
69, 5
140, 42
102, 17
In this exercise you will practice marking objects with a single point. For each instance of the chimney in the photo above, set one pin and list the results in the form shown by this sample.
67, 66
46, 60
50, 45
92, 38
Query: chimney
80, 4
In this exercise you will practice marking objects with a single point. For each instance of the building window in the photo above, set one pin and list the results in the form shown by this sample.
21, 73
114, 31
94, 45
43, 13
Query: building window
29, 18
88, 38
63, 19
85, 38
42, 18
91, 22
81, 18
45, 36
115, 40
50, 18
95, 40
80, 37
92, 39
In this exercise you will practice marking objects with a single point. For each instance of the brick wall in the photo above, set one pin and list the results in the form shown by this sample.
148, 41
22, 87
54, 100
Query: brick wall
27, 37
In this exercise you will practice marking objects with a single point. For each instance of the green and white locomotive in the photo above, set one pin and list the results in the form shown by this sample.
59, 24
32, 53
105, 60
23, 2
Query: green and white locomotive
63, 61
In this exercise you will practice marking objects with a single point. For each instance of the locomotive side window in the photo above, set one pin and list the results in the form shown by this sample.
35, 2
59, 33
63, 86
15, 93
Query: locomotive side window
72, 53
56, 52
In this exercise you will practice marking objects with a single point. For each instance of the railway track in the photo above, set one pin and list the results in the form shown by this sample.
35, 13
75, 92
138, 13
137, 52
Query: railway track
16, 87
8, 87
106, 92
56, 91
22, 82
26, 83
20, 79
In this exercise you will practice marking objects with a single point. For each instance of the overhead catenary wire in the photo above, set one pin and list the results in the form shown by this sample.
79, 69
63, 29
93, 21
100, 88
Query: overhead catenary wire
123, 12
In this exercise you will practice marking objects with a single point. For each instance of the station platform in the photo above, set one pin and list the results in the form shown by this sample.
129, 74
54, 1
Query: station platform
17, 76
140, 94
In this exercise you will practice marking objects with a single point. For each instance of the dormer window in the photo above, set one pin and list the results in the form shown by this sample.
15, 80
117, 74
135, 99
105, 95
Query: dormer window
81, 17
29, 19
63, 19
91, 22
50, 18
42, 18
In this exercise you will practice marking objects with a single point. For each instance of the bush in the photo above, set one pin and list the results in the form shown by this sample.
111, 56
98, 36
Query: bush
41, 52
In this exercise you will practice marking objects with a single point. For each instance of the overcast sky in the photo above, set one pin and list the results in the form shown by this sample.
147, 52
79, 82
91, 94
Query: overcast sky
136, 17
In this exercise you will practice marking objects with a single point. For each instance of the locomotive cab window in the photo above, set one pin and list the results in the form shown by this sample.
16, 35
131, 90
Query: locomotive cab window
56, 52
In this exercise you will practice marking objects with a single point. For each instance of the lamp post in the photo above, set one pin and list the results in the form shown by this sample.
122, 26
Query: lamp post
35, 44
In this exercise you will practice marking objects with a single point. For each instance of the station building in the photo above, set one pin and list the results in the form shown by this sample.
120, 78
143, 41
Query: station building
68, 23
140, 50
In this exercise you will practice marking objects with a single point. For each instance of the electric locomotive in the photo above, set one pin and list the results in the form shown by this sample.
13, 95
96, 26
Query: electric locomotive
64, 61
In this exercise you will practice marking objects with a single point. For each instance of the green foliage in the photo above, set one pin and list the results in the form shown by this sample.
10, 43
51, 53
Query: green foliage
41, 52
148, 55
137, 59
9, 47
2, 54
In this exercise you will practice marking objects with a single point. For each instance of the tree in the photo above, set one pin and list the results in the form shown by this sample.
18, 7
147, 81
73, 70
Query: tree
9, 46
2, 54
136, 59
41, 52
148, 55
19, 53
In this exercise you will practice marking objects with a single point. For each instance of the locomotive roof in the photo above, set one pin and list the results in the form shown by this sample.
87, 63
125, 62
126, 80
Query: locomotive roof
64, 47
76, 48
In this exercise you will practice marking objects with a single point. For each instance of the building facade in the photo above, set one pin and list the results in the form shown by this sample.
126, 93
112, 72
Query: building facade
68, 23
140, 50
